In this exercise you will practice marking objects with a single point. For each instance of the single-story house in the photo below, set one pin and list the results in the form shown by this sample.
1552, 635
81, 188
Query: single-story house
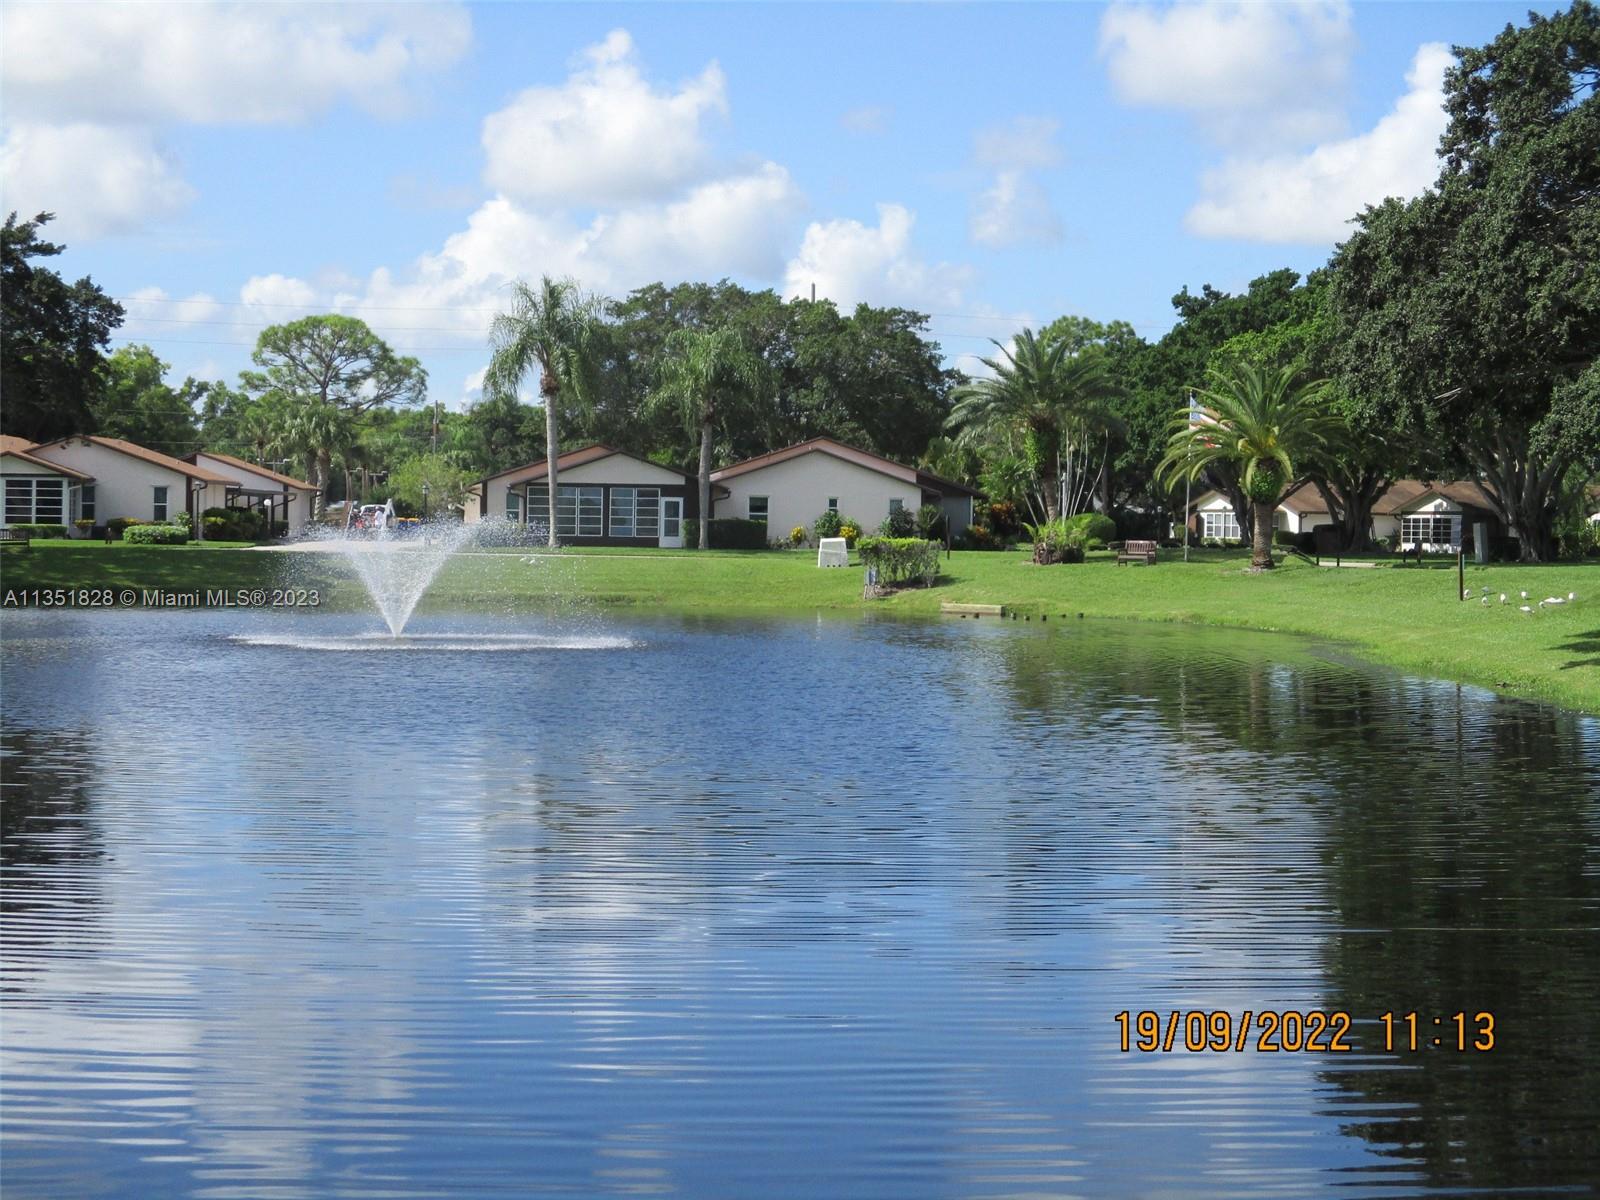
605, 497
38, 491
132, 481
282, 497
1411, 513
794, 486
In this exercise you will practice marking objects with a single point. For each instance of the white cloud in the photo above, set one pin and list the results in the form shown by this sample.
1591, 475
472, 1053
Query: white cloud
1024, 143
871, 118
278, 292
1016, 211
604, 137
219, 64
1311, 197
88, 87
96, 180
850, 263
1253, 73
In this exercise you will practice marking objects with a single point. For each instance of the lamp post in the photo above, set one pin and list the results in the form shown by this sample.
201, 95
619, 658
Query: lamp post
425, 511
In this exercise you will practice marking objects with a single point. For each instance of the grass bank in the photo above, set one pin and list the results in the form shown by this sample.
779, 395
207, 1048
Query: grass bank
1409, 618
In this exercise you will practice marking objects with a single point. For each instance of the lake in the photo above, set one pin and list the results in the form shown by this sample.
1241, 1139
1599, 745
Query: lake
802, 908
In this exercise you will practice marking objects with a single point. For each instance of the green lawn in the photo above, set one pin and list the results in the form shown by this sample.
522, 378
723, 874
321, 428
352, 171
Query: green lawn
1406, 617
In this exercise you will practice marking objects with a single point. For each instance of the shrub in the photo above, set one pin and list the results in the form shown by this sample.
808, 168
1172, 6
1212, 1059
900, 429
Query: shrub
977, 537
736, 533
931, 522
827, 525
691, 533
156, 535
1097, 528
1004, 520
900, 523
849, 530
901, 560
1058, 541
117, 524
44, 531
84, 524
797, 536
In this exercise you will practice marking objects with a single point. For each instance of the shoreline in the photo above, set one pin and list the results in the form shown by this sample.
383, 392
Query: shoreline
1406, 619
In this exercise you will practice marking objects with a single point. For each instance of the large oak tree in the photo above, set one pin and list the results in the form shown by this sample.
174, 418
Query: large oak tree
1469, 318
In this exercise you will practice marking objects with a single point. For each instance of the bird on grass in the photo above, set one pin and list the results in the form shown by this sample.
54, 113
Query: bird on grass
1485, 600
1525, 608
1503, 598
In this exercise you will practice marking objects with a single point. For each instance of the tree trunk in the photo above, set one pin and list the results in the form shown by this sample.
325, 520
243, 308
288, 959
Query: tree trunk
1261, 552
324, 471
1049, 488
705, 484
551, 449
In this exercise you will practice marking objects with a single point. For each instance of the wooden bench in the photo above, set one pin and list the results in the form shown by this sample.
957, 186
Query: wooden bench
15, 537
1143, 553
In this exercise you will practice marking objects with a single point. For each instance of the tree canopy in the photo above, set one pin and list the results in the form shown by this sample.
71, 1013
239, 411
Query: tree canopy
1469, 318
52, 338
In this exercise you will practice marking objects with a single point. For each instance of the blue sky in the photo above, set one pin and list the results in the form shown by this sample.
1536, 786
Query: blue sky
222, 167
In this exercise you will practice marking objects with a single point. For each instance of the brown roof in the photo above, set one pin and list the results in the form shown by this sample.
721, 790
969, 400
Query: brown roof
572, 458
1408, 493
155, 457
1305, 499
823, 445
250, 466
19, 447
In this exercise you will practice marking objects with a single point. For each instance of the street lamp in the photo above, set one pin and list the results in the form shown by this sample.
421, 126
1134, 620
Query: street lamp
424, 510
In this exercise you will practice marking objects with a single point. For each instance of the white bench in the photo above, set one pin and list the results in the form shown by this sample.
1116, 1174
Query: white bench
832, 552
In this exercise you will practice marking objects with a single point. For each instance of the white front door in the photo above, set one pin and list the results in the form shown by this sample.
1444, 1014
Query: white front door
671, 522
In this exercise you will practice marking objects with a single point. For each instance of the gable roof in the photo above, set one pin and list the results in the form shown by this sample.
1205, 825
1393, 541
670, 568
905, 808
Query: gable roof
250, 466
1410, 493
18, 448
849, 454
154, 457
539, 468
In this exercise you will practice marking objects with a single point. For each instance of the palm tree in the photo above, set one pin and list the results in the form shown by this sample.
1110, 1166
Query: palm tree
550, 329
707, 375
316, 431
1261, 422
1038, 388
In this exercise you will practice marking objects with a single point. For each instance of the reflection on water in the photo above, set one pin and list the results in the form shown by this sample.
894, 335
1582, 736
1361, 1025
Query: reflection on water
776, 908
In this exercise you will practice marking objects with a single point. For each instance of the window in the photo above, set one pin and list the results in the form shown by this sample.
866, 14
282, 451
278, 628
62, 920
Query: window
35, 499
86, 502
635, 512
158, 504
1220, 524
580, 511
1429, 531
513, 505
758, 509
539, 508
833, 504
895, 506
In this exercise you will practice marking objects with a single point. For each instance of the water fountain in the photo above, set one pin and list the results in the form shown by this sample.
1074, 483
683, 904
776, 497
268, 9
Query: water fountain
397, 569
395, 565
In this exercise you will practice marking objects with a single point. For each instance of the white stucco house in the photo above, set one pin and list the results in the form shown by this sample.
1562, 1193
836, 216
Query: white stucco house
38, 491
132, 481
605, 497
281, 497
796, 485
1434, 516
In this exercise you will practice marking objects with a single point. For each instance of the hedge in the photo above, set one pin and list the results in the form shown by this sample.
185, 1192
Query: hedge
44, 531
156, 535
1096, 527
901, 560
735, 533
